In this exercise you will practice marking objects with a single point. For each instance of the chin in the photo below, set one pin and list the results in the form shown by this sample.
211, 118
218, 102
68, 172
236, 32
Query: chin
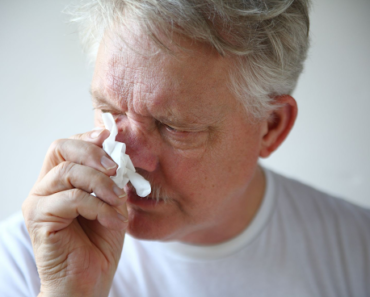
149, 226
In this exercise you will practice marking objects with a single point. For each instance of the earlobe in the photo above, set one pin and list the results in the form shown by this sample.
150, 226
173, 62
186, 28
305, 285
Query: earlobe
278, 125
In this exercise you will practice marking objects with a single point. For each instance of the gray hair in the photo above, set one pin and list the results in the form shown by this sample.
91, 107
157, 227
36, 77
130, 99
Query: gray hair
268, 38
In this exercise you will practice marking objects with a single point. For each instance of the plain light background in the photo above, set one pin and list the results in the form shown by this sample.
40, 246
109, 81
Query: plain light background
44, 82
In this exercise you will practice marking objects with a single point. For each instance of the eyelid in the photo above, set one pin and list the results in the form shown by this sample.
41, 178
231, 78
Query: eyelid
104, 108
173, 129
184, 140
185, 128
108, 110
114, 113
182, 131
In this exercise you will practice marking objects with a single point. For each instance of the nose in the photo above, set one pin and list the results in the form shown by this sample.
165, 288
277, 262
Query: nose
141, 145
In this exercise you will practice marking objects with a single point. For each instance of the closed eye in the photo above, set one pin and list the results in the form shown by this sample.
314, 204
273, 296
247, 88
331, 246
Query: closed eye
174, 130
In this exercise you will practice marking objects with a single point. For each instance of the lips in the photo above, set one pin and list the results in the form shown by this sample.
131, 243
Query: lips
142, 202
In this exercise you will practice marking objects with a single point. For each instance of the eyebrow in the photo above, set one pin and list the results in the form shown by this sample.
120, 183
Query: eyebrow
97, 97
99, 100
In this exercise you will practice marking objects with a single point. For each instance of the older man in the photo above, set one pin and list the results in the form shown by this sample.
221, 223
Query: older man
199, 90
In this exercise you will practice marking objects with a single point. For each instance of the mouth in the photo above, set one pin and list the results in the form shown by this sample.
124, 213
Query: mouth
142, 202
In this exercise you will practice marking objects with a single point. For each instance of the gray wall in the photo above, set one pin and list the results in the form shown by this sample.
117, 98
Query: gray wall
44, 96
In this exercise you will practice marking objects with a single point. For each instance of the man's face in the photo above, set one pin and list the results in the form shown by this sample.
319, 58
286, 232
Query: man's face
184, 131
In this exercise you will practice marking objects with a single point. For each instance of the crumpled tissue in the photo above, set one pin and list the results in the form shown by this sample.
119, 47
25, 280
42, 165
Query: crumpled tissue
126, 171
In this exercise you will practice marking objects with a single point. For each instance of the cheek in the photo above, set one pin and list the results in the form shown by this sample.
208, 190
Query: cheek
188, 180
221, 170
182, 170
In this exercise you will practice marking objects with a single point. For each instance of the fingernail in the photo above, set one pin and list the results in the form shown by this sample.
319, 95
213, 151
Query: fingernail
122, 218
96, 132
119, 192
108, 163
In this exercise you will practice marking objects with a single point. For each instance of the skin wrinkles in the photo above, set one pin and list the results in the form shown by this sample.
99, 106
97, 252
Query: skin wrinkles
207, 167
192, 123
125, 82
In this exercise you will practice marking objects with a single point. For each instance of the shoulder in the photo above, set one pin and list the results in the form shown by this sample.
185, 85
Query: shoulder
317, 205
319, 217
324, 238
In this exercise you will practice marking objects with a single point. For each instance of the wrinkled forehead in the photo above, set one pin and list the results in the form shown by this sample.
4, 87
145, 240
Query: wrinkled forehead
130, 64
125, 47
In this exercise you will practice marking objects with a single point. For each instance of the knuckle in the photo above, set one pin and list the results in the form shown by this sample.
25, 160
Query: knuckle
102, 179
64, 169
74, 196
56, 145
93, 155
71, 149
103, 207
54, 153
86, 150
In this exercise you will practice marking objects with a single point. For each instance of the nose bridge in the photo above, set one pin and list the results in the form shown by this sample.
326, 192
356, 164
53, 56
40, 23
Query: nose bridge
140, 143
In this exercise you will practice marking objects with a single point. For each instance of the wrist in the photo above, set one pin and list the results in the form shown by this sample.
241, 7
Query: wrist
73, 291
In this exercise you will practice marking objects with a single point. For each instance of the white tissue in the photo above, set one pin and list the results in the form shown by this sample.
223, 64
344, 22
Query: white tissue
126, 171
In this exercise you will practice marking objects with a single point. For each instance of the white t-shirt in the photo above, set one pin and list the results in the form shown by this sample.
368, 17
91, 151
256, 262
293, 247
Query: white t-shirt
302, 242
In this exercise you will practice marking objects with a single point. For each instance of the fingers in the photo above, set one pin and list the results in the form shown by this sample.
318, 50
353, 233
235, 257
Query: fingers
73, 169
68, 175
96, 136
61, 208
79, 152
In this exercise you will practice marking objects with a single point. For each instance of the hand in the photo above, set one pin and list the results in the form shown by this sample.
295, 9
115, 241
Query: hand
77, 238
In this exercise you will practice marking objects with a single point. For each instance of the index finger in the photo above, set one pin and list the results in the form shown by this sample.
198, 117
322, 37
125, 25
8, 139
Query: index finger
96, 136
85, 149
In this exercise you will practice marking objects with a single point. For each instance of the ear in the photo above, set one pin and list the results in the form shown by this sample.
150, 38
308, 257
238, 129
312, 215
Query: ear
278, 124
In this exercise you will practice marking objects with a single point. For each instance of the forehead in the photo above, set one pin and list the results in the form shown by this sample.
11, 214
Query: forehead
133, 73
